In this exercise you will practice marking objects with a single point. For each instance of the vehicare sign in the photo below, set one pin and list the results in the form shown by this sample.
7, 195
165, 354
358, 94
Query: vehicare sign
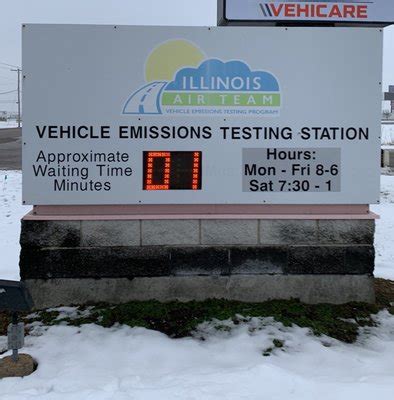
168, 115
374, 11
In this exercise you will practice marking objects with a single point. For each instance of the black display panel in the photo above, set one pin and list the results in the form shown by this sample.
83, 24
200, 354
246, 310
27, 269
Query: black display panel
172, 170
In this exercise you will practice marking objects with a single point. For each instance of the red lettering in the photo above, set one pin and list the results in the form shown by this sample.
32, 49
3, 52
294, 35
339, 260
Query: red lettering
276, 10
302, 10
335, 12
290, 10
319, 12
362, 11
349, 11
312, 11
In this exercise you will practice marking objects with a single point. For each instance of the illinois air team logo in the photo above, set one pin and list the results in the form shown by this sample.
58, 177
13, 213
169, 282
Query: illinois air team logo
181, 80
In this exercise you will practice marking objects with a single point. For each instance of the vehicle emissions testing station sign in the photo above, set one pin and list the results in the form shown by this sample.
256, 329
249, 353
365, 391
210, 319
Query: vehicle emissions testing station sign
168, 115
329, 11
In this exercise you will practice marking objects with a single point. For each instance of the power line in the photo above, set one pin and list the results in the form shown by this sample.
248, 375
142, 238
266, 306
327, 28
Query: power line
10, 91
5, 67
9, 65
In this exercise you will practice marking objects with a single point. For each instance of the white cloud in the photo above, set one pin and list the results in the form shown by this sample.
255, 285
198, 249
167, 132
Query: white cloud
125, 12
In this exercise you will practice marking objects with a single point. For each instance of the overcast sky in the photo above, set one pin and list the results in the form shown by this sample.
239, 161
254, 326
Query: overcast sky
126, 12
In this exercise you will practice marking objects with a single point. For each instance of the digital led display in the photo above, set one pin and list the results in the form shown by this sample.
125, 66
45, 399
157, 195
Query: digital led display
172, 170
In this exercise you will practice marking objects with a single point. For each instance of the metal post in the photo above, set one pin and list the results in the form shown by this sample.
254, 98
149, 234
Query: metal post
18, 70
15, 356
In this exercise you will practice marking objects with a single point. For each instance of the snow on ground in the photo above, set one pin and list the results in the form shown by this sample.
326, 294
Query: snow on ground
11, 211
122, 363
388, 134
119, 363
384, 236
9, 124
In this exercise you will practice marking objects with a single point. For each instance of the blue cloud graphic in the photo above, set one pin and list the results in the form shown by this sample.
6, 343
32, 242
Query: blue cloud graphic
210, 70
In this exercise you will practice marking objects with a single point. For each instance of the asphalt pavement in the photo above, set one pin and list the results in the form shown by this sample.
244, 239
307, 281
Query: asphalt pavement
11, 148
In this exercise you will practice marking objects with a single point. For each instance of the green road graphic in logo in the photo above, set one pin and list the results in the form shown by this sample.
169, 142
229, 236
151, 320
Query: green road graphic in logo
181, 80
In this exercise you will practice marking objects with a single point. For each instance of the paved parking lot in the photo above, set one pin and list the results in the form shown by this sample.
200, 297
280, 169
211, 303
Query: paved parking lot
11, 148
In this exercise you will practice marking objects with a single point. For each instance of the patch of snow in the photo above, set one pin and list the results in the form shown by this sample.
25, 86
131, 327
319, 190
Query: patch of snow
11, 212
122, 363
71, 312
384, 235
9, 124
388, 134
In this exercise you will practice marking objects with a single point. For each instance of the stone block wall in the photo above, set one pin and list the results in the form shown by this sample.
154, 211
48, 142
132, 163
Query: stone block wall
247, 250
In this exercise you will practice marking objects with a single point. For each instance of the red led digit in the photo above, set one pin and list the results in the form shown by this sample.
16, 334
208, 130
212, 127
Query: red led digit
196, 170
152, 156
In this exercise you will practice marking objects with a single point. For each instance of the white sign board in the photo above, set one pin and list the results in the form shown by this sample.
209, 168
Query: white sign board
374, 11
168, 115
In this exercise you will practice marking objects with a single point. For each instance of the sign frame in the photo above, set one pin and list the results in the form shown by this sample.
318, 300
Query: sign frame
45, 105
222, 20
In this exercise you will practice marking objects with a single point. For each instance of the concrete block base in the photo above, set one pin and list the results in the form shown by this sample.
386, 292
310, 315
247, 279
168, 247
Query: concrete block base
335, 289
253, 260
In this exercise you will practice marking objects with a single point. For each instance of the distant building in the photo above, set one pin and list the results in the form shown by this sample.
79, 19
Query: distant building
391, 90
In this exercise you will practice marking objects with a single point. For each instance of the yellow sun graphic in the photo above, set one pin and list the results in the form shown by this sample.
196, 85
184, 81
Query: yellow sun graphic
166, 59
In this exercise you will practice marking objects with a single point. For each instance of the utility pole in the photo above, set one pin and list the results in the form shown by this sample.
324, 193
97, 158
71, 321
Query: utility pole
18, 70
